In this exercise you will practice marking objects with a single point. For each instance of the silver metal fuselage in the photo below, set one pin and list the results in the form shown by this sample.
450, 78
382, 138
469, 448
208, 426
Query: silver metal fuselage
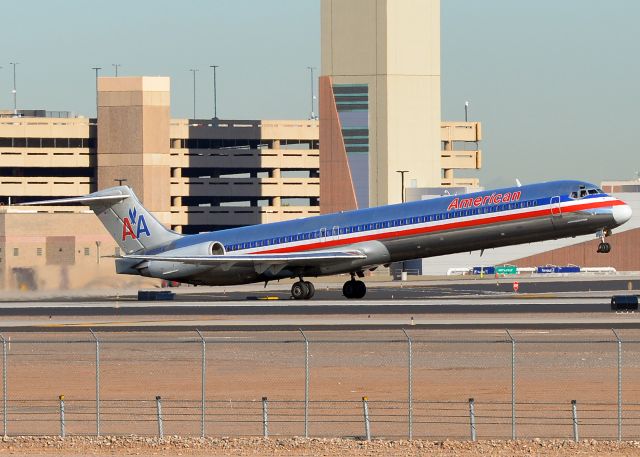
407, 231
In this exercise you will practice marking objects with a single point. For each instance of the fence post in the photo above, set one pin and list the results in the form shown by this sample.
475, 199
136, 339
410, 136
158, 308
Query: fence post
367, 424
410, 383
306, 384
95, 337
472, 419
159, 413
574, 417
4, 384
265, 418
513, 385
619, 384
62, 431
203, 382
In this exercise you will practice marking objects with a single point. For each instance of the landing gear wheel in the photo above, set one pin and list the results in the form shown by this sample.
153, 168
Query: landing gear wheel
347, 289
604, 248
360, 289
299, 290
312, 290
354, 289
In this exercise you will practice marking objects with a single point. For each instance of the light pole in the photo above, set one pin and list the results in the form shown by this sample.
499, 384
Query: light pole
14, 91
311, 74
402, 172
466, 111
116, 65
120, 180
97, 70
193, 70
215, 92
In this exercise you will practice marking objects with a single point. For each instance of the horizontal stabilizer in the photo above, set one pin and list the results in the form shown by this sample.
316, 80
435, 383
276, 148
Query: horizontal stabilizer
82, 200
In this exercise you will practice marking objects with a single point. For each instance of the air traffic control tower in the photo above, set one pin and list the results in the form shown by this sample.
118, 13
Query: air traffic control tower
380, 104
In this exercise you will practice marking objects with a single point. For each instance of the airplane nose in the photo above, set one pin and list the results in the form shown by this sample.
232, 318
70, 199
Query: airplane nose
621, 214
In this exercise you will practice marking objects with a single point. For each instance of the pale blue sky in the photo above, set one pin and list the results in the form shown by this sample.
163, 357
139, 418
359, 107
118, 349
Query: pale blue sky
555, 83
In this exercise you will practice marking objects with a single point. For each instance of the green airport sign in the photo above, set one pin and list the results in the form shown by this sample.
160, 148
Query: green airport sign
507, 270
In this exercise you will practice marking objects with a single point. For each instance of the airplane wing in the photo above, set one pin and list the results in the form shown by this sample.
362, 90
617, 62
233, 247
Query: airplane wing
293, 259
260, 262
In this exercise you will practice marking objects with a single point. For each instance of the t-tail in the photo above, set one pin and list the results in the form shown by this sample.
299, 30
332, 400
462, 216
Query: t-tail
133, 227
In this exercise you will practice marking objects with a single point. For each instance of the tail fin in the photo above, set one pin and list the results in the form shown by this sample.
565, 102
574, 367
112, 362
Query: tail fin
131, 225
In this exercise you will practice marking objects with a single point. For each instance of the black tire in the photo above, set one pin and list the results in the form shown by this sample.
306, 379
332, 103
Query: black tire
348, 289
360, 289
311, 288
607, 248
299, 290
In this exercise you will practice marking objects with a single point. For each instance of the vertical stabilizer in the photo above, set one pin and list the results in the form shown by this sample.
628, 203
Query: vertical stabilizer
131, 225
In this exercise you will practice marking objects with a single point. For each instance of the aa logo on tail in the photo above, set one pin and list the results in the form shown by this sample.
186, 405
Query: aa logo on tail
134, 221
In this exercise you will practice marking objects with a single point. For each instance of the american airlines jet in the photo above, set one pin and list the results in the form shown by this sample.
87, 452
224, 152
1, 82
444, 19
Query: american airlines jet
354, 241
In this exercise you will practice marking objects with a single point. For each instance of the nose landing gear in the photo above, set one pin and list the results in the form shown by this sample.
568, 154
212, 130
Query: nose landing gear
604, 247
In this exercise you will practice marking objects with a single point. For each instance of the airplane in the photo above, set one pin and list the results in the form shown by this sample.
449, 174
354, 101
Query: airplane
352, 241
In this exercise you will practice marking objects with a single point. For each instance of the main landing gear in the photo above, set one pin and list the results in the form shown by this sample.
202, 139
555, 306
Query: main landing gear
302, 290
603, 247
354, 288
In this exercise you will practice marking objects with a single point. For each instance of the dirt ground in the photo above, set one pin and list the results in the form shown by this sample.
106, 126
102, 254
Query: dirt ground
174, 446
448, 368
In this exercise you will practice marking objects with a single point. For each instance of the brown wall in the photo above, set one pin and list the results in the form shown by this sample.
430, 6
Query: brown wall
624, 255
58, 251
336, 186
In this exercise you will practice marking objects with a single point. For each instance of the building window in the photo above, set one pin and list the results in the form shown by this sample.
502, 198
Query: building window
86, 251
16, 252
39, 252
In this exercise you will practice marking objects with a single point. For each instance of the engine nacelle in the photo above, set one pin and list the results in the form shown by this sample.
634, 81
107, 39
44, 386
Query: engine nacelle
177, 270
207, 248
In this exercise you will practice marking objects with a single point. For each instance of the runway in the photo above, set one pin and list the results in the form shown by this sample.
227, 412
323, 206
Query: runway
547, 303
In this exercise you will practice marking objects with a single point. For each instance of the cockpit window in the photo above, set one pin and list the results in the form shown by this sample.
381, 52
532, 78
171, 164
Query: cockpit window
583, 192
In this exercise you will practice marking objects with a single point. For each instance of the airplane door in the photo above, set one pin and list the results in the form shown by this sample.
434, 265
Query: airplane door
556, 211
335, 232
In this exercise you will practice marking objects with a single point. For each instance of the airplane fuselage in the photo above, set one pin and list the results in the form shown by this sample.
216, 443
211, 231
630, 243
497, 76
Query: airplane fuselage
393, 233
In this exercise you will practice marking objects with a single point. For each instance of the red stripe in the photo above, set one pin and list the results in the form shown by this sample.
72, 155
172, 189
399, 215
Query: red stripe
440, 228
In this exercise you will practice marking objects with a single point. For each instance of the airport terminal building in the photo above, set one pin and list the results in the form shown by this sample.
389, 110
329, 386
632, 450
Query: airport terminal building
194, 174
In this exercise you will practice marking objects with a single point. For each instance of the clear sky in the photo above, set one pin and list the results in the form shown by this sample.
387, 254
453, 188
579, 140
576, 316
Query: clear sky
555, 83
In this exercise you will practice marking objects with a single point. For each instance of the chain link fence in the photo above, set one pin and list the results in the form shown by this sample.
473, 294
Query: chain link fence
392, 384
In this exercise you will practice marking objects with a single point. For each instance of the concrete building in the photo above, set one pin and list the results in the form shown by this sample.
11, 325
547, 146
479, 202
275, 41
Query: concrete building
195, 175
184, 170
380, 104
